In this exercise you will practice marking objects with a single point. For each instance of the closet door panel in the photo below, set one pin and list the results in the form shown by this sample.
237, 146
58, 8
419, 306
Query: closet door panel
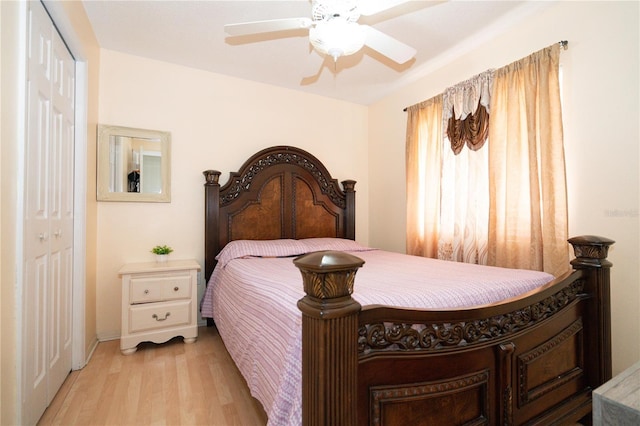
61, 213
37, 166
36, 219
36, 370
48, 215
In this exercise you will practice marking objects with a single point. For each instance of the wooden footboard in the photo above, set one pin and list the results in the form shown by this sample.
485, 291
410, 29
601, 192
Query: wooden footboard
534, 359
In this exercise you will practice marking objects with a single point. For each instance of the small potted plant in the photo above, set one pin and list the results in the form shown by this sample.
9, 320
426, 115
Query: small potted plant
161, 252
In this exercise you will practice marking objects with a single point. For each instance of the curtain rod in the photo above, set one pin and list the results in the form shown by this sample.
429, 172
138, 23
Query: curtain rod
564, 44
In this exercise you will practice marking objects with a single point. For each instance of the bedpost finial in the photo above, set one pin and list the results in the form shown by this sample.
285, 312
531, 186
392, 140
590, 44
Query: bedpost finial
328, 274
211, 176
348, 185
591, 251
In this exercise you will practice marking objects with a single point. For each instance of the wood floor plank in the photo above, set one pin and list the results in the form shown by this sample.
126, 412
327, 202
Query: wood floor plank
168, 384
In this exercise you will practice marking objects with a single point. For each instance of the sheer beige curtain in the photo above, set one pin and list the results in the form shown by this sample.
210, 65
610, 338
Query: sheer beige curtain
464, 182
423, 163
528, 203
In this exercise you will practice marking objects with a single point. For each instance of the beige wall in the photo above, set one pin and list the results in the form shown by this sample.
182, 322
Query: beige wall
74, 26
216, 122
9, 17
601, 116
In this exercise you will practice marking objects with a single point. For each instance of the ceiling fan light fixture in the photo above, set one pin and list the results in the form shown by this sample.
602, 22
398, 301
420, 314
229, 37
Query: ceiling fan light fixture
337, 37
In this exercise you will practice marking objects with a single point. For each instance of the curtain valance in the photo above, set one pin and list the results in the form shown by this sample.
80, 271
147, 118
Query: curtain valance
466, 112
464, 98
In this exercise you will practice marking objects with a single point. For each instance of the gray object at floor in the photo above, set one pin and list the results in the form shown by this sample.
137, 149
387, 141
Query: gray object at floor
617, 402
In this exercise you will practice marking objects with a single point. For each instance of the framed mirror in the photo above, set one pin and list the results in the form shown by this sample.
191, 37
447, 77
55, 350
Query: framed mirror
133, 164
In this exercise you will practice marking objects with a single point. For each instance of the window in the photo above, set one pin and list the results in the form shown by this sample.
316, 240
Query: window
514, 186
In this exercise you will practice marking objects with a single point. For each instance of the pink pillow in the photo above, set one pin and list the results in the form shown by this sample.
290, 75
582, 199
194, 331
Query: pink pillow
338, 244
260, 248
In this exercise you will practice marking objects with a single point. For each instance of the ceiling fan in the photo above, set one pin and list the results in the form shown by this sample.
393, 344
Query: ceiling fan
334, 29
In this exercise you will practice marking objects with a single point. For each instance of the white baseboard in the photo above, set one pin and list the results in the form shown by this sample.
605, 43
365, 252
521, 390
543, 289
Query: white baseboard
105, 337
92, 349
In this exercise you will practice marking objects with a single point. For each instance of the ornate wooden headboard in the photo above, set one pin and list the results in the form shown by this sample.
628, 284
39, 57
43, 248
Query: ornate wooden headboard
280, 192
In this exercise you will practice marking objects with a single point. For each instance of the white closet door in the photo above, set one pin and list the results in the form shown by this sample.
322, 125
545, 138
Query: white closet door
36, 226
48, 219
61, 214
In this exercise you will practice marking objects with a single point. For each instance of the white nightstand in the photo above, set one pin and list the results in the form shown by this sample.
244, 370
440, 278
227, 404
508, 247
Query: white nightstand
159, 302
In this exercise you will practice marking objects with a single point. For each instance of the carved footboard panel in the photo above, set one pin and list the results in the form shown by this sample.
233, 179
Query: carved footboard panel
506, 369
530, 360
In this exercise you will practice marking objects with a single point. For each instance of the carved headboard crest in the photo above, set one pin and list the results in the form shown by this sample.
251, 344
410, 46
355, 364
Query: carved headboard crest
241, 181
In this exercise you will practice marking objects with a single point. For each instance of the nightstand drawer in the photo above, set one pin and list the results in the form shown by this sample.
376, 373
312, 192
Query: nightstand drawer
159, 315
159, 288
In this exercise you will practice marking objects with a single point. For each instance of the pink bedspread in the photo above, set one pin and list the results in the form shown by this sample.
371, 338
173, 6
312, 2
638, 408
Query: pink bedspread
253, 302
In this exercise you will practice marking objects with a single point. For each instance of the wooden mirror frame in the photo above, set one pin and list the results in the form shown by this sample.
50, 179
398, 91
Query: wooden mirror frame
103, 193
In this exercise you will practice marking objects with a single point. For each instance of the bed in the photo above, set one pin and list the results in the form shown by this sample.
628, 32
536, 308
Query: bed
281, 231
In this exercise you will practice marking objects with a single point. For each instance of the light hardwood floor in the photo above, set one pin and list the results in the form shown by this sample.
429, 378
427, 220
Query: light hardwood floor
168, 384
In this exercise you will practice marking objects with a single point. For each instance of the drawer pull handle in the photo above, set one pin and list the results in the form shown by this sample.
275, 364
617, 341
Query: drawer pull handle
154, 316
146, 292
176, 288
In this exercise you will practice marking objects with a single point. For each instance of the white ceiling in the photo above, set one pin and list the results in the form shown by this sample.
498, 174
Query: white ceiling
191, 33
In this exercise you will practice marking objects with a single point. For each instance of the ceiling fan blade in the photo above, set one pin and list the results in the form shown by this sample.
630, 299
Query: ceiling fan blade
313, 64
255, 27
371, 7
394, 49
